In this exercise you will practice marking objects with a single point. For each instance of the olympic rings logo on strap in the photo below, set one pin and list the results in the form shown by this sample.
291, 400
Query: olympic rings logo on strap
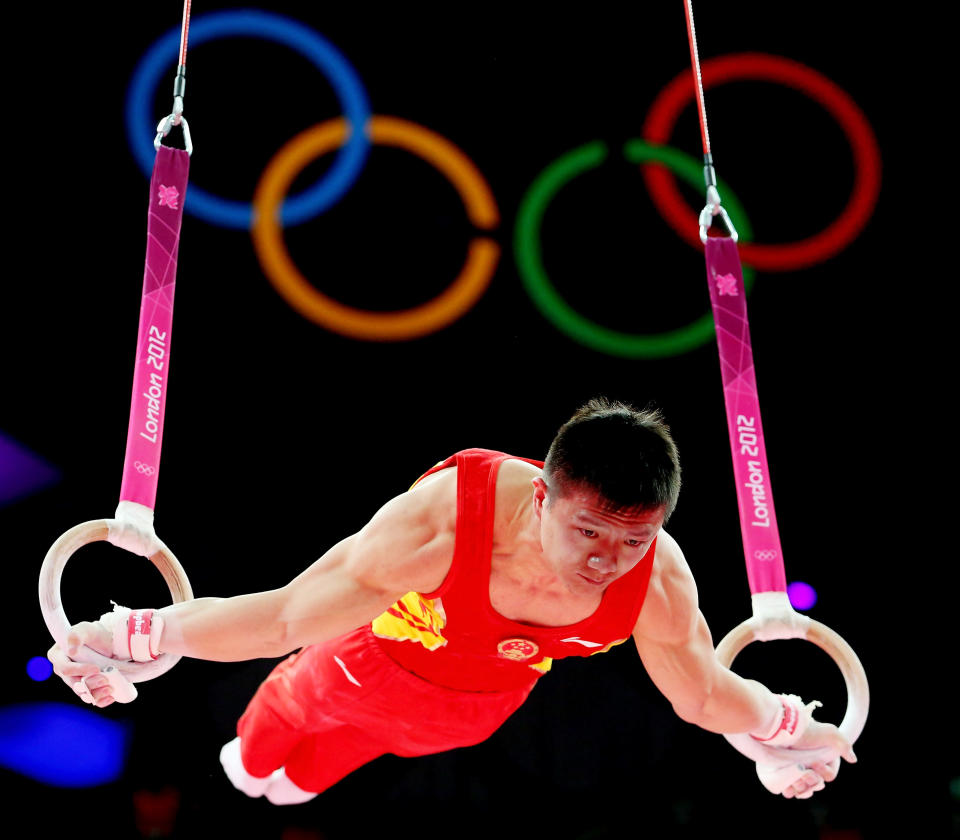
766, 555
144, 469
270, 210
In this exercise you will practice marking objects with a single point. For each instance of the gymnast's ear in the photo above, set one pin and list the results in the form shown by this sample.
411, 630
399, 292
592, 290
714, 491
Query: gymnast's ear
539, 495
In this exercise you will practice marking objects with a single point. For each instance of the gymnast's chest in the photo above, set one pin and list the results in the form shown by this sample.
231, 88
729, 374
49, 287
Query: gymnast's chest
530, 604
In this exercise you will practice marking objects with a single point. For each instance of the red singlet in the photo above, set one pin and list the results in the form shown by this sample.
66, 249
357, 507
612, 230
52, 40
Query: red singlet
454, 637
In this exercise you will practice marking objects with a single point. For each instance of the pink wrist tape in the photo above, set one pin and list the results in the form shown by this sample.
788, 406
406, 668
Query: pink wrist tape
143, 635
789, 719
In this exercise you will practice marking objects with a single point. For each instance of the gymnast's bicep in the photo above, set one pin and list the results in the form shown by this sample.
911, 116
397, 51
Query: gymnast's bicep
406, 546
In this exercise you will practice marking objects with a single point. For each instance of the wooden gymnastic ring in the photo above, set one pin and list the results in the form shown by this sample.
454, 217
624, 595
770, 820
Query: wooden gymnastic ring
59, 625
855, 678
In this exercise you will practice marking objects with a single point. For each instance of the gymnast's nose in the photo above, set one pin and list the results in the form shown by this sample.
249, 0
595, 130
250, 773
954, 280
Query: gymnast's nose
602, 564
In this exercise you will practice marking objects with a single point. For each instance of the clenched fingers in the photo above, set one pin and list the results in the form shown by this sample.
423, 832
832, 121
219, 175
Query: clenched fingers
83, 678
68, 669
804, 787
95, 690
819, 735
100, 690
827, 770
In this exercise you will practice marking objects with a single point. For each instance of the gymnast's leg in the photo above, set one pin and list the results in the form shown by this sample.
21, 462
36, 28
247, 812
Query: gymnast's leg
310, 762
293, 741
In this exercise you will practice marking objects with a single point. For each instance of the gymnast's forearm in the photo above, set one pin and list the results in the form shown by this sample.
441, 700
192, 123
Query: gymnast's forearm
736, 705
701, 690
323, 602
225, 629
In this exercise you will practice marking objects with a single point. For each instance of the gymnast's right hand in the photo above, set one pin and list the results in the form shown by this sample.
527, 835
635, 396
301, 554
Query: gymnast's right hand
85, 678
122, 635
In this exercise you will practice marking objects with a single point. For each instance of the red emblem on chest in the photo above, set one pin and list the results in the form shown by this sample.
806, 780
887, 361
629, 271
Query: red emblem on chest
518, 649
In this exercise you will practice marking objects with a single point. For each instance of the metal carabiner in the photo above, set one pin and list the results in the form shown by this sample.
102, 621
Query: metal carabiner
714, 208
164, 126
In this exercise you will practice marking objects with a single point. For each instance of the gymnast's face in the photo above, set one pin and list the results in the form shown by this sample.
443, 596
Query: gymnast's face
587, 544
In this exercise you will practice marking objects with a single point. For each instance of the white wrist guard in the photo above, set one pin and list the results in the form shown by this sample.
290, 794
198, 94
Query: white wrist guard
136, 633
789, 727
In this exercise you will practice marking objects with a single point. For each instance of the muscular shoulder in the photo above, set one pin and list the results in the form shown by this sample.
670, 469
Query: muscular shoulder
514, 490
516, 472
515, 481
671, 607
408, 544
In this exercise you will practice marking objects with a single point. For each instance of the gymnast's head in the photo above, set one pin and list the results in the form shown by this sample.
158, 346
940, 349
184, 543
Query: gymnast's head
610, 481
622, 456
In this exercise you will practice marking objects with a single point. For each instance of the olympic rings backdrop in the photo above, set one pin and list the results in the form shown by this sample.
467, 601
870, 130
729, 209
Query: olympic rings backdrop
352, 135
411, 230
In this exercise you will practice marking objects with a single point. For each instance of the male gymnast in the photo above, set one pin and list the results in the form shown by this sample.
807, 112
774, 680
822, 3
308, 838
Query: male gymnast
428, 627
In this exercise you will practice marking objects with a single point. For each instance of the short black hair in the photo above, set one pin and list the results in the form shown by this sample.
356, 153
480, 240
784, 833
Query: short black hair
624, 454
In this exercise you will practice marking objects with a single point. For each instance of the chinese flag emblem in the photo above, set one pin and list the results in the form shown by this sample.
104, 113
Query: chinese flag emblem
518, 649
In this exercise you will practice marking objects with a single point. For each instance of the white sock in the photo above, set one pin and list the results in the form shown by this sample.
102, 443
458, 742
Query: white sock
237, 773
281, 791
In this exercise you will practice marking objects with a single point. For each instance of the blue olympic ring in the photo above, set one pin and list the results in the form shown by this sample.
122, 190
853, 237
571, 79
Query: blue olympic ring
162, 56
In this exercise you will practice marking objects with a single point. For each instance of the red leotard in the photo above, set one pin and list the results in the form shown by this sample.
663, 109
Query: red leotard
434, 672
474, 648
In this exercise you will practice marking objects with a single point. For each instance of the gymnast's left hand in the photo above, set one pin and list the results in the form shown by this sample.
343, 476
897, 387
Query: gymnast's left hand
802, 781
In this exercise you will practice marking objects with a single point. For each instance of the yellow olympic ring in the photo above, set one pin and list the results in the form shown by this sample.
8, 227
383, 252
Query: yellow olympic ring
482, 253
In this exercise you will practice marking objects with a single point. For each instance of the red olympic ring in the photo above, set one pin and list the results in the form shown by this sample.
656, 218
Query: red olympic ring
662, 118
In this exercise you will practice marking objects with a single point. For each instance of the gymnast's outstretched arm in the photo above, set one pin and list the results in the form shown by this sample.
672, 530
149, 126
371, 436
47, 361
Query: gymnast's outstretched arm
676, 648
407, 545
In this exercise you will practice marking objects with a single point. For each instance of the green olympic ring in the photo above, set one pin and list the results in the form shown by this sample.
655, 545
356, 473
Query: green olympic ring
537, 284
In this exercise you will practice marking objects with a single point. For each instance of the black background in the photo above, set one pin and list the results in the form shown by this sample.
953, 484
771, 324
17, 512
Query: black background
282, 437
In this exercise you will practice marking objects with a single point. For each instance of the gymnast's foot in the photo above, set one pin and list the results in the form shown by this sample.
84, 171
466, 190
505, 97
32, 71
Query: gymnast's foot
282, 791
277, 786
237, 773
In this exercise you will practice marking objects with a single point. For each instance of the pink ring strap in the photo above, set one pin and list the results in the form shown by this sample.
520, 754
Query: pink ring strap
758, 521
168, 187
